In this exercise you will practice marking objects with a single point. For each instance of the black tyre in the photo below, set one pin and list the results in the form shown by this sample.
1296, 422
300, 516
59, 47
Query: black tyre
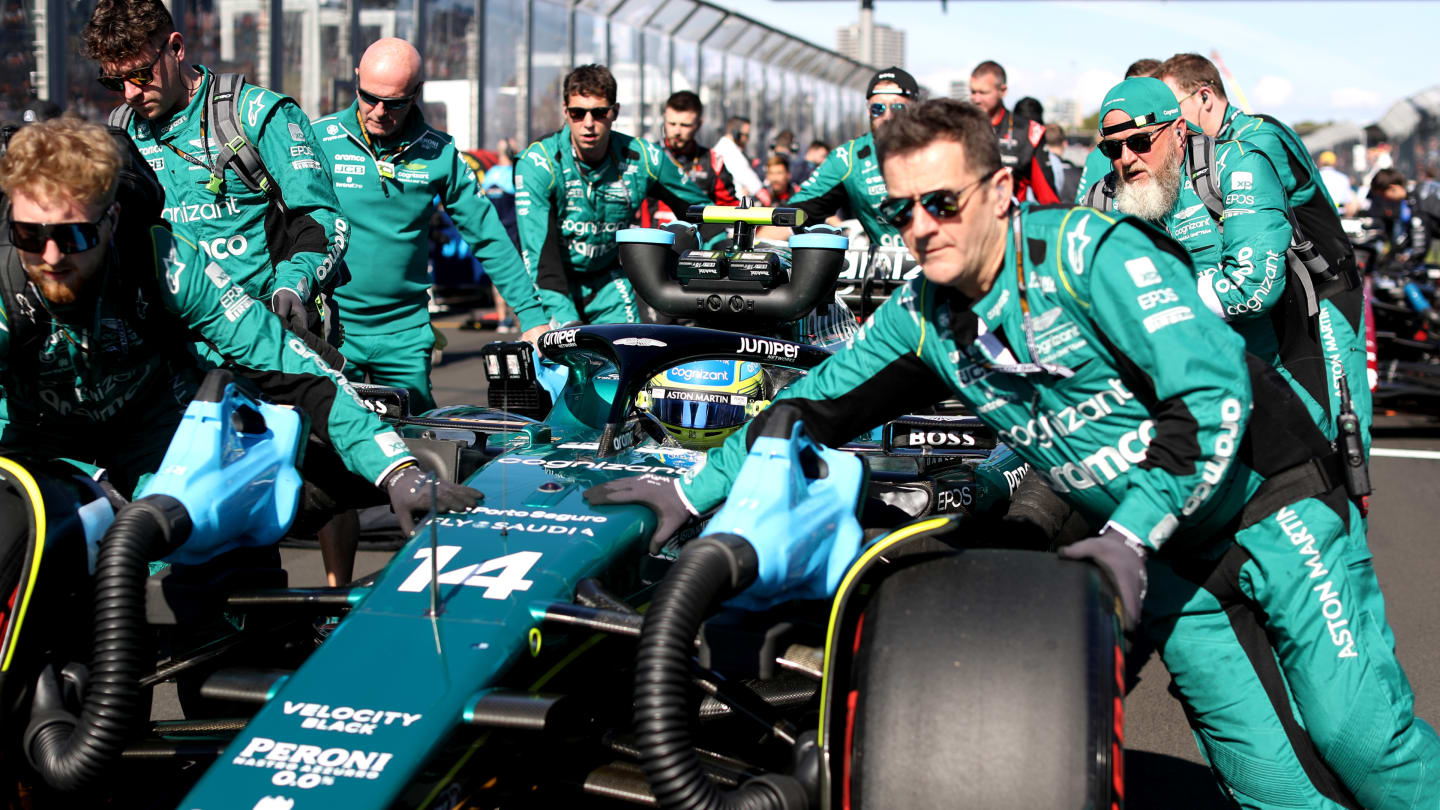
986, 679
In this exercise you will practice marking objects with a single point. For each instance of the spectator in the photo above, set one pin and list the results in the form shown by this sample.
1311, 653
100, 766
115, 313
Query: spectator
815, 154
731, 149
1021, 138
1028, 107
1337, 183
784, 145
684, 116
778, 186
1067, 174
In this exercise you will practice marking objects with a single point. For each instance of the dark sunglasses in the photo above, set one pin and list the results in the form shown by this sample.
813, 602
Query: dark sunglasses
877, 109
577, 114
940, 204
70, 237
392, 104
138, 77
1139, 143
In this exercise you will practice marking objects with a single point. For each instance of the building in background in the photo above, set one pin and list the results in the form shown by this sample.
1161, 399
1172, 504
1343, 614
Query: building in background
1063, 111
889, 44
482, 81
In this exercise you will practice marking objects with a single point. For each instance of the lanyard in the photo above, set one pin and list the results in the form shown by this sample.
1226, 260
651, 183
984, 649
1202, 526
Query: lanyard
216, 179
384, 161
1032, 367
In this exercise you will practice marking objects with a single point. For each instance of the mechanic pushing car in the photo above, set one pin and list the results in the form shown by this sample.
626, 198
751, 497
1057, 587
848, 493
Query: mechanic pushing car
1081, 339
281, 240
389, 168
576, 189
101, 313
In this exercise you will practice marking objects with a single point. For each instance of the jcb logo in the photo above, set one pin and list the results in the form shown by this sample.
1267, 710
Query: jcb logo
225, 247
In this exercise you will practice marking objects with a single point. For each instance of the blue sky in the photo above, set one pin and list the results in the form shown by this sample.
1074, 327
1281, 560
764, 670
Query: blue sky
1295, 60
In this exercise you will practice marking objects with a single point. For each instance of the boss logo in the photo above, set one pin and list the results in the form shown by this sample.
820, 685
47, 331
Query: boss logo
939, 438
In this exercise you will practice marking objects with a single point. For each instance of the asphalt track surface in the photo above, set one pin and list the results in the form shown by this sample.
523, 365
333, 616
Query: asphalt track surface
1163, 768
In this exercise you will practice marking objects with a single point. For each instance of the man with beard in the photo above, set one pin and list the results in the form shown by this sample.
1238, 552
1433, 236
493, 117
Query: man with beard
684, 115
1096, 164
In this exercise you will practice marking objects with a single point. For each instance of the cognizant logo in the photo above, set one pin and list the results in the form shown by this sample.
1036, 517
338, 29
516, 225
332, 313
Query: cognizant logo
1104, 465
698, 375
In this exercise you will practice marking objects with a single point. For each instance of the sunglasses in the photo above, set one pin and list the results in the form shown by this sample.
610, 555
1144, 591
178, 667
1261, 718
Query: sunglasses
138, 77
392, 104
577, 114
878, 109
70, 237
1139, 143
940, 204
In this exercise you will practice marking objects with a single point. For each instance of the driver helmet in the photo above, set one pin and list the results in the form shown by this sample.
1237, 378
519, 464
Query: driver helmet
702, 403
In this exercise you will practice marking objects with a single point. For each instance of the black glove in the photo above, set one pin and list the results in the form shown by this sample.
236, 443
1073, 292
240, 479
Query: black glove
659, 492
287, 304
1123, 561
409, 491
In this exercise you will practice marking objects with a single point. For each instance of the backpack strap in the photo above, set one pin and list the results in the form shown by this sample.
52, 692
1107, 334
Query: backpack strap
1101, 194
224, 114
1200, 153
121, 117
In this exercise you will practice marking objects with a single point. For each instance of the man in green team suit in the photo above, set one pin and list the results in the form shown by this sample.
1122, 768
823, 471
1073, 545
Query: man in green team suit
280, 257
99, 323
575, 189
1196, 83
389, 167
1081, 339
850, 174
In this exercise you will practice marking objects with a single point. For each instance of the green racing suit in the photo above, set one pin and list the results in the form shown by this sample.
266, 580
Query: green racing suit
568, 214
107, 380
1096, 167
389, 215
1342, 326
849, 176
1138, 406
263, 250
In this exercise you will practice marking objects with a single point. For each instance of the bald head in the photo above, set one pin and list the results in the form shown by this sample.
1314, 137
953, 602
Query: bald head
390, 70
390, 67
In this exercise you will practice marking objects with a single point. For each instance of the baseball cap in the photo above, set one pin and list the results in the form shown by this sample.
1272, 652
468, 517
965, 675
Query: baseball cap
1147, 101
906, 82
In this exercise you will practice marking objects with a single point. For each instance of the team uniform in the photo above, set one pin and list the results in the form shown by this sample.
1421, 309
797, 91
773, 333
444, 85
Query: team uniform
390, 188
108, 379
1094, 359
263, 250
1096, 167
849, 176
1342, 327
569, 213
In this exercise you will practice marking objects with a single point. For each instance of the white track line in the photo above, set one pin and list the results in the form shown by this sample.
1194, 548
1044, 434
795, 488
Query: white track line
1386, 452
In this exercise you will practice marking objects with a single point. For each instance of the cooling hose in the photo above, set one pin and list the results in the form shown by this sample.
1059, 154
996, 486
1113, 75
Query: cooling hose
70, 753
708, 570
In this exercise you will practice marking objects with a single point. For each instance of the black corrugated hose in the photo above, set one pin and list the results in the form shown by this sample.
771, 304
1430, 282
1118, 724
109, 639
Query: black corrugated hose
707, 570
70, 753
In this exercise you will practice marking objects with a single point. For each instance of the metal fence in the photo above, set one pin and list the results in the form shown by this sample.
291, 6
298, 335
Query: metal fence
493, 67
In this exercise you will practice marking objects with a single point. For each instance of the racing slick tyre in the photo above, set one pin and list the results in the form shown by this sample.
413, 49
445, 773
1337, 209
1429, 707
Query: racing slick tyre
988, 678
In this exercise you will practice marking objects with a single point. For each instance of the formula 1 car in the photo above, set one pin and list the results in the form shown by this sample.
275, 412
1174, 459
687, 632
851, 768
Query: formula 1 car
844, 632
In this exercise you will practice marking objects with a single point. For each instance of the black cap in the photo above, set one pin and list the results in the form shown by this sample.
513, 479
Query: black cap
895, 75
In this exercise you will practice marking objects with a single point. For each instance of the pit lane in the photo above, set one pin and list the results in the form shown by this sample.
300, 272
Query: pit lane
1164, 771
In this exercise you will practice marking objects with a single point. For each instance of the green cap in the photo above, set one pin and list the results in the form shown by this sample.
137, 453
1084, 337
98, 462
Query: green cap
1147, 101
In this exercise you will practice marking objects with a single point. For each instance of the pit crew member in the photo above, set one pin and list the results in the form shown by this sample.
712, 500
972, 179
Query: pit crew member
389, 168
1096, 164
1022, 141
1223, 520
575, 189
100, 317
282, 245
684, 115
